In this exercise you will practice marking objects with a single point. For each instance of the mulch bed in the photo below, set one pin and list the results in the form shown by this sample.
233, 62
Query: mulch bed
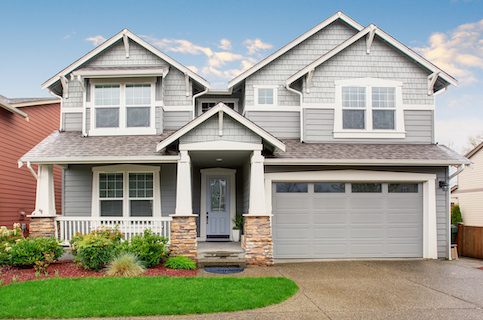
69, 269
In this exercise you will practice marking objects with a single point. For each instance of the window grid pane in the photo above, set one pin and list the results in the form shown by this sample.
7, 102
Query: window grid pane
265, 96
329, 187
110, 185
353, 97
383, 119
107, 95
383, 97
141, 185
403, 188
107, 117
138, 94
138, 117
366, 187
353, 119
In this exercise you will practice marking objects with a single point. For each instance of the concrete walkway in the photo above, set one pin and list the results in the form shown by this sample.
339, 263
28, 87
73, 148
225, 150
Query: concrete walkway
405, 289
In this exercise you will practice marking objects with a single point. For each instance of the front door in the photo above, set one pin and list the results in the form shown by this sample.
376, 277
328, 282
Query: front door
218, 207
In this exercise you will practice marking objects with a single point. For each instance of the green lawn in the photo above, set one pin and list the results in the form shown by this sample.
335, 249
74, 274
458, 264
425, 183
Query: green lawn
139, 296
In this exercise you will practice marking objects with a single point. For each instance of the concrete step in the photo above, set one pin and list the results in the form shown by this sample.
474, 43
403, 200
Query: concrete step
222, 262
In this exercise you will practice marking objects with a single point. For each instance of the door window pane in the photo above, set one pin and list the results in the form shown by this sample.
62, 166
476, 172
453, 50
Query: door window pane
111, 208
218, 194
141, 208
329, 187
138, 117
107, 117
290, 187
366, 187
383, 119
353, 119
403, 188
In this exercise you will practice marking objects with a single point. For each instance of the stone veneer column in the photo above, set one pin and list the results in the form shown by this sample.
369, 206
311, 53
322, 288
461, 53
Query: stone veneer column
257, 241
42, 226
183, 237
184, 240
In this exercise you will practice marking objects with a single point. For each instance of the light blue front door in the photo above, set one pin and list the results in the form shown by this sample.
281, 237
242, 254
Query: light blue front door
218, 206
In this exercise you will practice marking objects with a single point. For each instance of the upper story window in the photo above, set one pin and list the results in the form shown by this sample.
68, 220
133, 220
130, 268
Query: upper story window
122, 108
206, 104
368, 108
265, 95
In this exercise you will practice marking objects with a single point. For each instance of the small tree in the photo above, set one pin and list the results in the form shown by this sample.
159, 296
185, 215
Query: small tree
456, 215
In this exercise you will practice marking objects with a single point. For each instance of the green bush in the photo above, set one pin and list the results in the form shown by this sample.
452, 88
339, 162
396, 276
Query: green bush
180, 262
125, 264
149, 247
28, 251
97, 248
456, 215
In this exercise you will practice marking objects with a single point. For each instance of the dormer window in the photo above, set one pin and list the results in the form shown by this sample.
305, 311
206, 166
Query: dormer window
368, 108
122, 108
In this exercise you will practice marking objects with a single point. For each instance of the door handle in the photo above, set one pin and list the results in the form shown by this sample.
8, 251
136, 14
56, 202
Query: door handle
207, 218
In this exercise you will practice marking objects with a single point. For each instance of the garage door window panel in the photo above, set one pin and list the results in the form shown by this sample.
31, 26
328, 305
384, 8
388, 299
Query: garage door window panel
292, 187
366, 187
329, 187
403, 188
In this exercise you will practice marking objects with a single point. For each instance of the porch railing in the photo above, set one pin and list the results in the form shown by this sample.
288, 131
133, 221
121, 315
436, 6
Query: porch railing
67, 227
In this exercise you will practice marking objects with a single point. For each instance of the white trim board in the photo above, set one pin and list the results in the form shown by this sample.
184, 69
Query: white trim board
430, 241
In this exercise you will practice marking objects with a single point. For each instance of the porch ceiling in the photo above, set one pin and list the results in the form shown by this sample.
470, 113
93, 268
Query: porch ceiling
208, 159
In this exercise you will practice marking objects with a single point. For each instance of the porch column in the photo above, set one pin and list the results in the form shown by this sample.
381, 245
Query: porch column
42, 220
183, 227
257, 241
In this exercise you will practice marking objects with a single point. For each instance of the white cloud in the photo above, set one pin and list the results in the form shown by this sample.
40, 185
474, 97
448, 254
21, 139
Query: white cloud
225, 44
193, 68
255, 45
69, 35
97, 40
455, 132
178, 45
458, 52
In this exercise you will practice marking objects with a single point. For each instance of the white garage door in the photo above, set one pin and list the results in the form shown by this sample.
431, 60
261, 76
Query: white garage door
347, 220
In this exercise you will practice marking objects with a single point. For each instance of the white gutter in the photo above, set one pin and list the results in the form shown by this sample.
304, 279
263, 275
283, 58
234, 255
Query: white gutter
61, 103
358, 162
194, 101
287, 86
460, 169
94, 160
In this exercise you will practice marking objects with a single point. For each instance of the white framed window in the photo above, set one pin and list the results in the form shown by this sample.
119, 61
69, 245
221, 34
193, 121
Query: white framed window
122, 107
265, 95
368, 108
126, 191
204, 105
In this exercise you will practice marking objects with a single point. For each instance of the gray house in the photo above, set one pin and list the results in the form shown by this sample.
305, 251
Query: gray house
326, 147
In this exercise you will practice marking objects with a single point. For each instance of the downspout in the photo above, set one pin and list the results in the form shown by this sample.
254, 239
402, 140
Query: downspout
61, 104
460, 169
199, 94
287, 86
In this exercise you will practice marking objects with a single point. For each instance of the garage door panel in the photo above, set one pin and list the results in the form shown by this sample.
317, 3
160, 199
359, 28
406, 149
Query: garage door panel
347, 225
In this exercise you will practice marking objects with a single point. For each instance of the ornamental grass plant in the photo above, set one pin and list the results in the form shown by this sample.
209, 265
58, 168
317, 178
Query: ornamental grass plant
125, 264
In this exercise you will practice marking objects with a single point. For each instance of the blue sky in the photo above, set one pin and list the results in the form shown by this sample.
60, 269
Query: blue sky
218, 39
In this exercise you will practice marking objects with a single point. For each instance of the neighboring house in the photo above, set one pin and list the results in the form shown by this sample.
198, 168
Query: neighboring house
23, 124
326, 146
469, 191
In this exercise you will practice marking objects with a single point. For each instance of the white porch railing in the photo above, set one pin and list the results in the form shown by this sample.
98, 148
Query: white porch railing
67, 227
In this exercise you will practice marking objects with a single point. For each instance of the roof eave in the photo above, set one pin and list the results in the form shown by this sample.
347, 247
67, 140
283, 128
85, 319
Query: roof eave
100, 160
363, 162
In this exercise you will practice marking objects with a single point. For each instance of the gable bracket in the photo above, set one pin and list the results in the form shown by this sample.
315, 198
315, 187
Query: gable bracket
81, 82
187, 83
309, 80
431, 82
125, 39
220, 122
65, 86
370, 38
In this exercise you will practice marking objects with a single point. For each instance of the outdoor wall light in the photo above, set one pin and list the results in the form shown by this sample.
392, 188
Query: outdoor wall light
444, 185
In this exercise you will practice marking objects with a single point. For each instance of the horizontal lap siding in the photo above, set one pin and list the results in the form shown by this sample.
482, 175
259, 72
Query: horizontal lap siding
18, 186
283, 125
173, 120
319, 127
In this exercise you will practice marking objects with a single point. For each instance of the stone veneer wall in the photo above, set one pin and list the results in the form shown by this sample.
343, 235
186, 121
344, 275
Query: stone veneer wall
257, 241
42, 227
183, 237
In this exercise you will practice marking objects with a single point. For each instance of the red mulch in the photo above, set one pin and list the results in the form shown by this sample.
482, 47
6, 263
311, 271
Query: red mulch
69, 269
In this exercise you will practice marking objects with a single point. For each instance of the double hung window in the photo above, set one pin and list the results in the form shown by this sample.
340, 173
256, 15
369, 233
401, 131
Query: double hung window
122, 108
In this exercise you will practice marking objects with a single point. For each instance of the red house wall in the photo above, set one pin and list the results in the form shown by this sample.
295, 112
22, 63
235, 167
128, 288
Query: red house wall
17, 137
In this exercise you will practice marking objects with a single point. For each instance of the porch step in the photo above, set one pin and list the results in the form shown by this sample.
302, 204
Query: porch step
221, 259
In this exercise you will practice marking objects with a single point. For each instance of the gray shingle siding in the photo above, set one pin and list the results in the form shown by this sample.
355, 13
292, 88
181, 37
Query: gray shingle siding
279, 70
175, 89
232, 131
319, 127
281, 124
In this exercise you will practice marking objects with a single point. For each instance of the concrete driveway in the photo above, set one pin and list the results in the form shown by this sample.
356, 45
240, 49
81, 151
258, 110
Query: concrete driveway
405, 289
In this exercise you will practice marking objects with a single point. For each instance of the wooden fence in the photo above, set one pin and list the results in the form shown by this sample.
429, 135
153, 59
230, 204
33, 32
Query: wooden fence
470, 241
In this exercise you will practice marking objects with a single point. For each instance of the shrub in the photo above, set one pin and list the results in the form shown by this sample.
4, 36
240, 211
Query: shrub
29, 251
149, 247
97, 248
125, 264
180, 262
456, 215
7, 239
